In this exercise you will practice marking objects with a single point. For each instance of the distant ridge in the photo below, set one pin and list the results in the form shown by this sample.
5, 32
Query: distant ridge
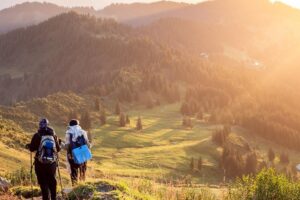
126, 12
26, 14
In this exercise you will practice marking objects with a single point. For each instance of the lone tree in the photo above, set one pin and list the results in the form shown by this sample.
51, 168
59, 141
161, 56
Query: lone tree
103, 117
271, 155
200, 164
122, 120
187, 122
192, 164
139, 124
200, 115
251, 163
85, 121
118, 109
127, 119
97, 104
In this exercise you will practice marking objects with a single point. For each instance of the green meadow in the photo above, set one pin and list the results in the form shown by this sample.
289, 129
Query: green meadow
162, 150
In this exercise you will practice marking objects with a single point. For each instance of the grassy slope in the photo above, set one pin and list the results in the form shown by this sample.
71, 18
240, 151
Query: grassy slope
163, 149
12, 159
12, 141
161, 152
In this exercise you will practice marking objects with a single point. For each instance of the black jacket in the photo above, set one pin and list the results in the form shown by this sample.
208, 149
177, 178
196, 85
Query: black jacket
36, 139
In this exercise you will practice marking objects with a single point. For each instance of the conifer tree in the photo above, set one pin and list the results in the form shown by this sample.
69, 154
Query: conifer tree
85, 121
184, 121
127, 119
122, 120
86, 124
200, 115
187, 122
185, 110
103, 116
97, 104
251, 163
192, 164
139, 124
200, 163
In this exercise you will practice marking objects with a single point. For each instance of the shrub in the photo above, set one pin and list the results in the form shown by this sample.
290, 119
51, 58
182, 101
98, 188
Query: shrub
25, 191
268, 184
82, 192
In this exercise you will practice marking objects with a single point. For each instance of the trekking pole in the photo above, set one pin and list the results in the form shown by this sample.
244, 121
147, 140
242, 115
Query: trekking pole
60, 180
31, 168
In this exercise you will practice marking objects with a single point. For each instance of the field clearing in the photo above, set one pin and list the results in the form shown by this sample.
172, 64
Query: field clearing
162, 150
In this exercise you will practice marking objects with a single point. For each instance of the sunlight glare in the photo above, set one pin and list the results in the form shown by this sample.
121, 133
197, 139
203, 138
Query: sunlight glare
294, 3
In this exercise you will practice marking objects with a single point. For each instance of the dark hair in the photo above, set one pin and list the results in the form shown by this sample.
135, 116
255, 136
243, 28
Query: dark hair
74, 122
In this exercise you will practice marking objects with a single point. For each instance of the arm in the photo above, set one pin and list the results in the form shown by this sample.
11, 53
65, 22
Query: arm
35, 143
67, 141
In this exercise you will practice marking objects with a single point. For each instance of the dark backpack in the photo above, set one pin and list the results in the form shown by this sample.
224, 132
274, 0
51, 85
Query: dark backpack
79, 150
80, 141
47, 153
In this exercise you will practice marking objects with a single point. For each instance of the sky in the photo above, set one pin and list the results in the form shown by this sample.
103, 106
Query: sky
98, 4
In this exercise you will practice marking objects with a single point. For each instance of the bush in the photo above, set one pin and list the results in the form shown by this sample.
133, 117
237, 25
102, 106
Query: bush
82, 192
25, 191
268, 184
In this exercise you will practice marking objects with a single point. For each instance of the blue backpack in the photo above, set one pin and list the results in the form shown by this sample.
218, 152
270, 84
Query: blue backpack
47, 153
80, 151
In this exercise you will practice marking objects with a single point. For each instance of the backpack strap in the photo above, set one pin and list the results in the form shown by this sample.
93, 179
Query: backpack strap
71, 140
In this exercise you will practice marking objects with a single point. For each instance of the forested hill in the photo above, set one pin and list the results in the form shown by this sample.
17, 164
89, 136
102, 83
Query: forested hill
76, 52
269, 38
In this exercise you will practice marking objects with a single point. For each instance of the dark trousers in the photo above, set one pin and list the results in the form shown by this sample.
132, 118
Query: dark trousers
46, 176
82, 171
76, 170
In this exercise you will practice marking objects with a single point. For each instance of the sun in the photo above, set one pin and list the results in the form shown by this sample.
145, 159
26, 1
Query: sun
294, 3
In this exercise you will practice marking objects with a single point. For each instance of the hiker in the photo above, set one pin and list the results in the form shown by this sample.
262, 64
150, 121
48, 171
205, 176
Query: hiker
46, 145
75, 137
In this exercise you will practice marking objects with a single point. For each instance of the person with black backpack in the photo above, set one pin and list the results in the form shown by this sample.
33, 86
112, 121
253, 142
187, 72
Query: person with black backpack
77, 139
46, 145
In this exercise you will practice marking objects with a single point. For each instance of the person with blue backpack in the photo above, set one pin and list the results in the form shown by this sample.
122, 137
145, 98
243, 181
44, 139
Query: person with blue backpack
46, 145
78, 150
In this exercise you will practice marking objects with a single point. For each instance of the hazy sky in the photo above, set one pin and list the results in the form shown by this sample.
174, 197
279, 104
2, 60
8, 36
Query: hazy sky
95, 3
101, 3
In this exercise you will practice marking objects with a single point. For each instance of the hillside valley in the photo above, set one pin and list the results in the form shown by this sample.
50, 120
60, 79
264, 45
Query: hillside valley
179, 100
